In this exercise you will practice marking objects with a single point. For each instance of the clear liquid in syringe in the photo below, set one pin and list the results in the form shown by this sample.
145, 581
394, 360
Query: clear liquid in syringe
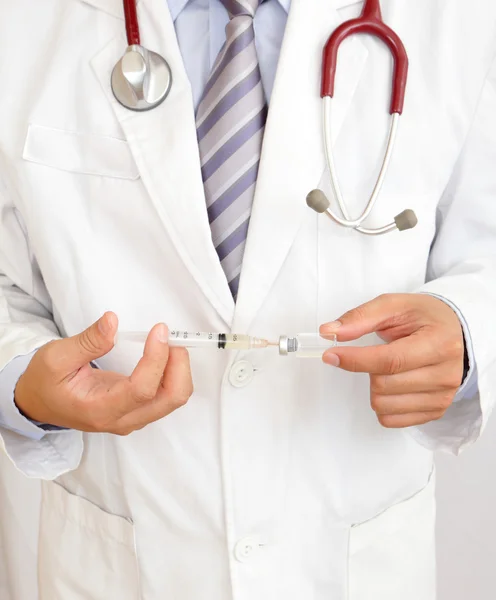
187, 339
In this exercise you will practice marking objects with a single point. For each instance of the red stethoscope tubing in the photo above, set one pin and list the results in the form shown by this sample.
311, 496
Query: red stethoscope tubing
132, 25
371, 22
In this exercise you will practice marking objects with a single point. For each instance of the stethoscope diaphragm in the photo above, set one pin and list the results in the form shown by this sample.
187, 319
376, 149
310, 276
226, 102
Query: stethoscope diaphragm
142, 79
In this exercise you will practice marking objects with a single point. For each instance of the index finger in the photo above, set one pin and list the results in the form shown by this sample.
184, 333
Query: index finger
400, 356
147, 376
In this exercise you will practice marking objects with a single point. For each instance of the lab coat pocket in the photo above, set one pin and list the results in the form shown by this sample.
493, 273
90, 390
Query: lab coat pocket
84, 552
78, 152
393, 555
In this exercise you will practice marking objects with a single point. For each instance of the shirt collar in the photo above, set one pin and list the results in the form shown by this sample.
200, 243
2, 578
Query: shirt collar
177, 6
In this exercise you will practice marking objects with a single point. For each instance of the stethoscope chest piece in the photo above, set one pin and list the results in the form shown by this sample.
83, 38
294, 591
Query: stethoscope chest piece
142, 79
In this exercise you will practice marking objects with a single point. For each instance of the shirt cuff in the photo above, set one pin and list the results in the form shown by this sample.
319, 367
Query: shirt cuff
469, 388
10, 416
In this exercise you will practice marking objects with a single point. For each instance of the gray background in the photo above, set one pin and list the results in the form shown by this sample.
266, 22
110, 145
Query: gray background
467, 521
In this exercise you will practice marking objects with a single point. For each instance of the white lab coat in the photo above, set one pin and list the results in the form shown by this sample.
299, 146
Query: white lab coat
275, 480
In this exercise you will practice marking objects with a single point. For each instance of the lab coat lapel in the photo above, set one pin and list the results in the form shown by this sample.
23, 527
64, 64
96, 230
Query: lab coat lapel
293, 160
164, 145
112, 7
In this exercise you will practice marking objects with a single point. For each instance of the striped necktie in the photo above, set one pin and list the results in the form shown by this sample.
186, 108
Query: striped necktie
230, 123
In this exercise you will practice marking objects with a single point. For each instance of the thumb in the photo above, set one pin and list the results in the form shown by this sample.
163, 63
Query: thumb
90, 344
382, 313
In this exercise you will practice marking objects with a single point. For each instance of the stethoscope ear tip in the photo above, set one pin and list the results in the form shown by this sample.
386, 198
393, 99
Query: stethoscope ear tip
406, 220
318, 201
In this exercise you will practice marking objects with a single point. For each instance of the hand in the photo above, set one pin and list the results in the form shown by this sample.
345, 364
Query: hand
61, 388
416, 375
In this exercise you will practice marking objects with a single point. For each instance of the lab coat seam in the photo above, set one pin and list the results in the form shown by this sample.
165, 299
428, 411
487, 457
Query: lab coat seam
107, 7
74, 132
87, 172
101, 533
11, 192
29, 153
397, 505
348, 565
12, 204
84, 500
23, 228
227, 481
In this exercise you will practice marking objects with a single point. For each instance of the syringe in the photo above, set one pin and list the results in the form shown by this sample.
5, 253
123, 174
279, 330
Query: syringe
187, 339
303, 345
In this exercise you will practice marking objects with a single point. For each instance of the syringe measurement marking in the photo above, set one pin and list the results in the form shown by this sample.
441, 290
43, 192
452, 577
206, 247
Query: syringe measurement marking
221, 337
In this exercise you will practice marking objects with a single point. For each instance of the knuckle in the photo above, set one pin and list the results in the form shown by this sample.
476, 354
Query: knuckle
123, 431
452, 348
95, 414
180, 401
394, 364
379, 384
88, 342
144, 394
446, 400
96, 421
391, 302
49, 354
387, 421
182, 398
451, 375
190, 389
436, 416
385, 298
99, 426
350, 363
452, 380
377, 403
357, 314
181, 394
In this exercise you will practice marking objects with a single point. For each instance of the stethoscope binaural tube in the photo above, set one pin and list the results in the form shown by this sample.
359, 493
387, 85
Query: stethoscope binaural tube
142, 79
369, 22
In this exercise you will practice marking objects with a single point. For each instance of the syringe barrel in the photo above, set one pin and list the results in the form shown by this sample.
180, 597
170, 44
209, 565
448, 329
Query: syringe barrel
188, 339
305, 345
221, 341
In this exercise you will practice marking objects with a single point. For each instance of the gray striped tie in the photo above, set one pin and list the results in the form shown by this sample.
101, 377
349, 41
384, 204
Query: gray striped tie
230, 124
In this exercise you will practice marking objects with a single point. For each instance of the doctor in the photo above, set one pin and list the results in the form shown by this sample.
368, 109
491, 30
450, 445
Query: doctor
274, 478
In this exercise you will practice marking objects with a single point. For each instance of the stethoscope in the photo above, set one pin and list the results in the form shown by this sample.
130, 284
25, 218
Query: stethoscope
142, 80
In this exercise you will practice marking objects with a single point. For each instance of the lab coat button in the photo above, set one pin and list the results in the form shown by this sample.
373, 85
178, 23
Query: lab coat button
247, 548
241, 374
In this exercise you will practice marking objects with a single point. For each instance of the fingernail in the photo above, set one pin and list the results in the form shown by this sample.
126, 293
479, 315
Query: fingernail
329, 328
331, 359
163, 334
